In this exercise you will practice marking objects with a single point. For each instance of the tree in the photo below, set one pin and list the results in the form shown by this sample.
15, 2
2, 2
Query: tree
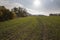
20, 12
5, 14
12, 15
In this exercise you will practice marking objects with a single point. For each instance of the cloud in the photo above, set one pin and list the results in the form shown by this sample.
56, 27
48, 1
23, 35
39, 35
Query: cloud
35, 12
52, 0
12, 5
45, 7
9, 4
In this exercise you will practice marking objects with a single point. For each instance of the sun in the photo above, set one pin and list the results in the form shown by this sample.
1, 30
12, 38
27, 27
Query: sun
36, 3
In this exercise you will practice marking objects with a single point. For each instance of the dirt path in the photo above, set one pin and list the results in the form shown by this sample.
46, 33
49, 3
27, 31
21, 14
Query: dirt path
43, 28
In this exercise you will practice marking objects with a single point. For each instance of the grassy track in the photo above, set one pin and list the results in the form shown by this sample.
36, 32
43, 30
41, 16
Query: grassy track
31, 28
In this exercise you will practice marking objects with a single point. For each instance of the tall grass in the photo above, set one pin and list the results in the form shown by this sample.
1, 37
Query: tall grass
31, 28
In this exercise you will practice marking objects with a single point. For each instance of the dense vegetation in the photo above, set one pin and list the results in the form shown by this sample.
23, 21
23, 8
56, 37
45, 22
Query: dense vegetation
6, 14
55, 14
31, 28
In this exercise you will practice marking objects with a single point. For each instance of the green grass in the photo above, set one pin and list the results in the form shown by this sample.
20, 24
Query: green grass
31, 28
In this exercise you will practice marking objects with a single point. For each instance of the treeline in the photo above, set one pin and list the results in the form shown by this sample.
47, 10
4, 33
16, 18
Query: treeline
6, 14
57, 14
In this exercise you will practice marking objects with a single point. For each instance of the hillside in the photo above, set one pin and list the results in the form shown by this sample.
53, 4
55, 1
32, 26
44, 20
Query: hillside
31, 28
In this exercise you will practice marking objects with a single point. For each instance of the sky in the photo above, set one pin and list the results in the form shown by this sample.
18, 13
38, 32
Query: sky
35, 7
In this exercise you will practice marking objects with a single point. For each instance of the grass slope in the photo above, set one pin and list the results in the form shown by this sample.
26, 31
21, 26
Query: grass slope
31, 28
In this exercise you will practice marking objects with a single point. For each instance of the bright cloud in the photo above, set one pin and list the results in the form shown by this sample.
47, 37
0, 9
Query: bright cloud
34, 7
35, 12
10, 5
36, 3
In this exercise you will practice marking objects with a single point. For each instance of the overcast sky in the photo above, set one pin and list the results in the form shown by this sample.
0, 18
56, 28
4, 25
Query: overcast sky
34, 7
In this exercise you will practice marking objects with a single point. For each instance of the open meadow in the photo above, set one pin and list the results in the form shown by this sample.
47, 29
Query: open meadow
31, 28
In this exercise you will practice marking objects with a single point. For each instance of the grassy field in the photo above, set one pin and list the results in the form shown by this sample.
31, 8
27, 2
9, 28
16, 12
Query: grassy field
31, 28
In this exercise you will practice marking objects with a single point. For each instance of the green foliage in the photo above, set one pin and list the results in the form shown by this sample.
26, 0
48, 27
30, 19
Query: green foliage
20, 12
12, 15
6, 14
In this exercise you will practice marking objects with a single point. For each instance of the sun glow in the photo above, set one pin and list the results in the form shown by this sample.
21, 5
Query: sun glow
36, 3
